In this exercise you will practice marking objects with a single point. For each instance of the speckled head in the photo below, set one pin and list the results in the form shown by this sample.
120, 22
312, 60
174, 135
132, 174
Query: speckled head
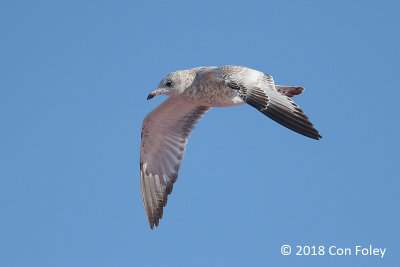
174, 83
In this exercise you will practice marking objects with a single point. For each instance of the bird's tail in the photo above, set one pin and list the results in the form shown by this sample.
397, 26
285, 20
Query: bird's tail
289, 91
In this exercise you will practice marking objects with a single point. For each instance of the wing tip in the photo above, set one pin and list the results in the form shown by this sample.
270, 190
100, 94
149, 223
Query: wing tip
317, 136
310, 132
152, 224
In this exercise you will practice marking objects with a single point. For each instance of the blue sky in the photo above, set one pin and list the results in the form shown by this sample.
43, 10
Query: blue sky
75, 77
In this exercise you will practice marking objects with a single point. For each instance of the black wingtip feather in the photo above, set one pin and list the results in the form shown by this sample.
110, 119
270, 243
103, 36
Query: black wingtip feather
293, 122
287, 114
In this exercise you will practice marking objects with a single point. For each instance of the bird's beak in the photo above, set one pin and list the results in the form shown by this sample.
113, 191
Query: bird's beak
150, 96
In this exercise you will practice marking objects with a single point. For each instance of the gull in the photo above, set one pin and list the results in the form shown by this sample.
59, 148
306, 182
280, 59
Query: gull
192, 93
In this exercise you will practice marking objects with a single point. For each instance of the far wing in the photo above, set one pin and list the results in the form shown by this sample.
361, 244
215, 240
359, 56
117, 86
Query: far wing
165, 133
258, 90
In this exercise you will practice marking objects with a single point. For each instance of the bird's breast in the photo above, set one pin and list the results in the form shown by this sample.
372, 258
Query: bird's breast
213, 94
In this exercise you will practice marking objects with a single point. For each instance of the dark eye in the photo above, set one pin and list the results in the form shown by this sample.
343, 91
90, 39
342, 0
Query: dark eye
168, 83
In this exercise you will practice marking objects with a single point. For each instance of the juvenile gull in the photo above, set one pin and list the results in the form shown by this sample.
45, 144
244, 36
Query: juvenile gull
192, 93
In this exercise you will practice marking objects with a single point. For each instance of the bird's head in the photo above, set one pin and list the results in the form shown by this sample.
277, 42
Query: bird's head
173, 84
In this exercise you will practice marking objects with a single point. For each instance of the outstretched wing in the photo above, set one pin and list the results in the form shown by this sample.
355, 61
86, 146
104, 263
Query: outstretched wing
258, 90
165, 133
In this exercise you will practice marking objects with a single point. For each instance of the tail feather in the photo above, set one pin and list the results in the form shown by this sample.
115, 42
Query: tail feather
289, 91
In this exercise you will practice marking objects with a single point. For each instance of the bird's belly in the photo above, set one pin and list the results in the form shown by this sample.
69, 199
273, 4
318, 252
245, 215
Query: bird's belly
225, 102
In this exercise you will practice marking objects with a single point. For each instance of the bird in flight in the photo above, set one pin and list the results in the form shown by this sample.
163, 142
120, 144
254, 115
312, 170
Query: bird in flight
192, 93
